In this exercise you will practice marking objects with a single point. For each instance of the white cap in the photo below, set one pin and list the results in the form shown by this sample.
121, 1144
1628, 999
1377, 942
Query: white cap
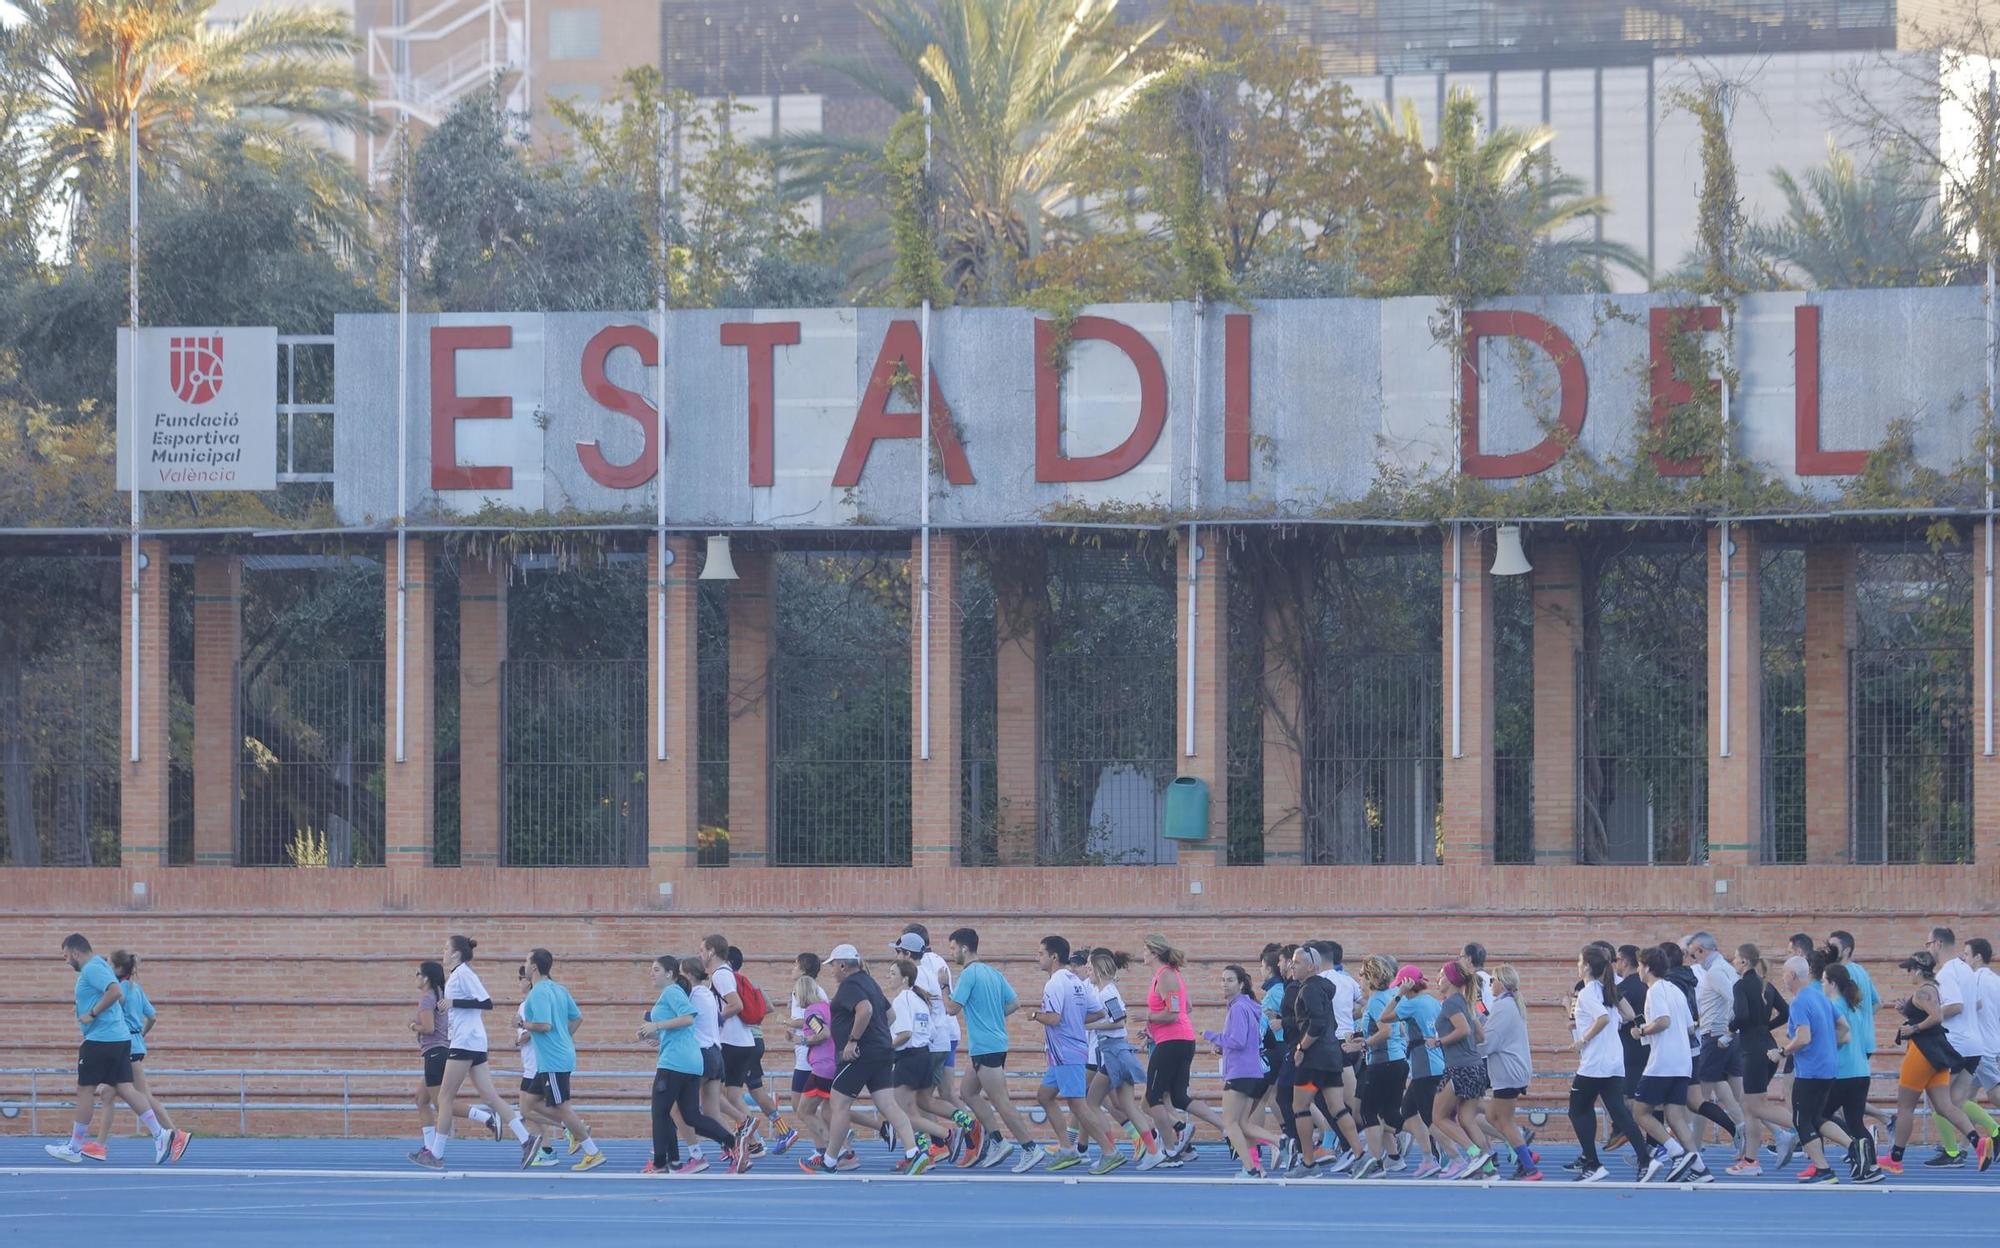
844, 953
909, 942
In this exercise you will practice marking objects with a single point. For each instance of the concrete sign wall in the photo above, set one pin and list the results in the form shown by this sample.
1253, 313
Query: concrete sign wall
198, 409
796, 418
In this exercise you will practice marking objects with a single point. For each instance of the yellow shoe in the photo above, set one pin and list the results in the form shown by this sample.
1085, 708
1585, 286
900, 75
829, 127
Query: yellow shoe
574, 1143
589, 1161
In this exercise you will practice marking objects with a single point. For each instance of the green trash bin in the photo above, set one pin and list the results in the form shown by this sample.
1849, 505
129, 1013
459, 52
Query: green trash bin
1187, 809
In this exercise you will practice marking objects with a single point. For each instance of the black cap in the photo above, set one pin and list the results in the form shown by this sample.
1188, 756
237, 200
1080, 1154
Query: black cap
1921, 960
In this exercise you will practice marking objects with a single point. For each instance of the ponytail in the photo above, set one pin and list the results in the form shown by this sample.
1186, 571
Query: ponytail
1599, 968
1838, 975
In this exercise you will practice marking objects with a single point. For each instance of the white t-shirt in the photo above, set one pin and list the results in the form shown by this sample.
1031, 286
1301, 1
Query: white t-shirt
467, 1028
707, 1029
1988, 985
799, 1060
1672, 1055
1486, 994
735, 1032
524, 1042
1346, 992
910, 1012
1604, 1056
932, 975
1112, 1002
1956, 987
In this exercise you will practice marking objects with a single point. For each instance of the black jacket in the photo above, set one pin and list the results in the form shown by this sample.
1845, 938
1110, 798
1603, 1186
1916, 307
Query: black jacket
1315, 1014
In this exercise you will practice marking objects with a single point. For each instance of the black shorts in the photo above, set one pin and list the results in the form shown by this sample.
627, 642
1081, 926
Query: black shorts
940, 1058
801, 1081
1252, 1088
1509, 1094
1659, 1091
1757, 1069
754, 1077
1718, 1063
140, 1057
476, 1057
433, 1068
912, 1069
103, 1062
818, 1087
863, 1074
551, 1086
990, 1061
1382, 1092
1418, 1099
711, 1063
1809, 1099
738, 1060
1468, 1083
1318, 1078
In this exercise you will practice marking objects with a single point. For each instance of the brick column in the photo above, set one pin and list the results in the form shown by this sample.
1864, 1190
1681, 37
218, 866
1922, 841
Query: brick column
482, 658
673, 784
1735, 782
1829, 643
218, 735
1467, 794
142, 786
1017, 715
937, 806
1985, 767
752, 628
1284, 730
1210, 714
410, 786
1556, 586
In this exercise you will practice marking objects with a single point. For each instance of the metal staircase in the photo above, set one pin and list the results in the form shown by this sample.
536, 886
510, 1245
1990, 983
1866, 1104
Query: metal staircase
421, 65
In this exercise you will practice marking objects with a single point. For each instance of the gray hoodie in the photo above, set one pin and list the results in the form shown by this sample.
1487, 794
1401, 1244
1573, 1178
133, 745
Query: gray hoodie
1509, 1061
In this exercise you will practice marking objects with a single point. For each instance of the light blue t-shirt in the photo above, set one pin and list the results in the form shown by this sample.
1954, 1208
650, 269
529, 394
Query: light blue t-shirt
984, 996
1274, 1000
91, 982
1871, 1001
1421, 1013
549, 1002
1819, 1058
1852, 1059
1397, 1047
679, 1050
137, 1010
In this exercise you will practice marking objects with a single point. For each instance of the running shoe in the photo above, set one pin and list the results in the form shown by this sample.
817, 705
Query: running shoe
1184, 1144
785, 1140
1395, 1165
1152, 1160
1788, 1143
589, 1161
63, 1152
887, 1133
1075, 1139
180, 1147
1575, 1164
1342, 1162
737, 1159
569, 1137
1702, 1174
1065, 1158
1596, 1174
1526, 1173
1247, 1174
693, 1164
915, 1162
427, 1159
1032, 1155
1297, 1170
1430, 1169
1683, 1165
1111, 1161
1369, 1167
847, 1162
1616, 1142
1403, 1141
493, 1125
1982, 1148
545, 1159
1942, 1160
1655, 1164
1890, 1165
1813, 1174
757, 1146
1000, 1151
649, 1168
746, 1131
975, 1133
1745, 1168
163, 1143
939, 1154
1873, 1176
815, 1164
94, 1151
1458, 1169
972, 1152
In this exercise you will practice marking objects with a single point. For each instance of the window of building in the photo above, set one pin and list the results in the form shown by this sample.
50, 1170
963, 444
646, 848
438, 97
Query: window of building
576, 35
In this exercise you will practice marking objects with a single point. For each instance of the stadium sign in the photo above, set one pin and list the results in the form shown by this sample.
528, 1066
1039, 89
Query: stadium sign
808, 418
198, 409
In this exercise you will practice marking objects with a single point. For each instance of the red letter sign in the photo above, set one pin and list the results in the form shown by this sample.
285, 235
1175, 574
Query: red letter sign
1573, 399
1236, 398
1669, 391
901, 348
1808, 460
1050, 462
625, 402
760, 337
448, 406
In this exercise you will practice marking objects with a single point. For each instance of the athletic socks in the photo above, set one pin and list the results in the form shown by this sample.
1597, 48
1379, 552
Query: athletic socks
519, 1128
152, 1124
480, 1114
430, 1140
1947, 1134
78, 1133
1713, 1112
438, 1141
1980, 1118
1673, 1147
589, 1147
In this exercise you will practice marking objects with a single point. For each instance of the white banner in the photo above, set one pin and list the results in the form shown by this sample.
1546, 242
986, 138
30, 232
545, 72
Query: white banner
198, 409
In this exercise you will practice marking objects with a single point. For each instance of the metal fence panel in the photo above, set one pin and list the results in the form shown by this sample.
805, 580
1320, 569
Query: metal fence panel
1373, 765
1781, 614
310, 768
575, 763
1513, 719
979, 728
1245, 749
1911, 722
712, 723
59, 752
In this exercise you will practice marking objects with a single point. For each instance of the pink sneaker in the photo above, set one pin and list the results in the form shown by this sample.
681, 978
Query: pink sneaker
1745, 1167
1452, 1171
692, 1165
1430, 1169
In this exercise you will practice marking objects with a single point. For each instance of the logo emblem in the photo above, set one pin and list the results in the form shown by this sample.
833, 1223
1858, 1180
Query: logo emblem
195, 368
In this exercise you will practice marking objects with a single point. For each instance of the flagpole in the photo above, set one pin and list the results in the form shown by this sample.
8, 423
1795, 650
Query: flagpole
132, 390
924, 494
660, 451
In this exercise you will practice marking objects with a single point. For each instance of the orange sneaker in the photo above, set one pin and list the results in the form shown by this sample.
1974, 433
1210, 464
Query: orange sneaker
94, 1151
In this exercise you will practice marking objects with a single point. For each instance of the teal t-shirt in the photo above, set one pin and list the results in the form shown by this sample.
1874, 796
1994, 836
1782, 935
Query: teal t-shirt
1871, 1001
549, 1002
984, 995
678, 1049
91, 982
1851, 1062
1421, 1014
137, 1010
1397, 1047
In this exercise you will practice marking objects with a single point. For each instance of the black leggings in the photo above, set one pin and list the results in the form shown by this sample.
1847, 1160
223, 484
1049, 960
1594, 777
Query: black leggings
1584, 1093
1850, 1099
1167, 1072
674, 1090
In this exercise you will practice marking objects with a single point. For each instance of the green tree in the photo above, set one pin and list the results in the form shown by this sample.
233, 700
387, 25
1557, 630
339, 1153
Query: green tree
99, 62
1017, 87
1848, 227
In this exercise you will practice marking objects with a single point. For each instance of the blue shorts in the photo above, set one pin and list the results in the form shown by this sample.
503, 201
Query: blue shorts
1070, 1082
1659, 1091
1121, 1067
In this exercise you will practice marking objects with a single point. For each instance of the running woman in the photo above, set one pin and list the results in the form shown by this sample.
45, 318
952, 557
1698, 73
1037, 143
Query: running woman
1119, 1077
104, 1059
1928, 1062
677, 1074
811, 1085
708, 1035
1455, 1116
1816, 1033
1167, 1072
1315, 1057
432, 1027
1068, 1005
1385, 1068
1244, 1075
1600, 1066
1661, 1105
1758, 1008
1871, 1001
910, 1034
550, 1016
465, 1057
139, 1019
1509, 1068
940, 1098
1851, 1077
983, 998
1416, 1012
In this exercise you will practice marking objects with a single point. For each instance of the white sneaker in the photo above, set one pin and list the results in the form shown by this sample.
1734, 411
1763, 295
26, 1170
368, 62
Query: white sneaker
1395, 1165
1341, 1163
63, 1152
162, 1143
998, 1153
1032, 1155
1149, 1160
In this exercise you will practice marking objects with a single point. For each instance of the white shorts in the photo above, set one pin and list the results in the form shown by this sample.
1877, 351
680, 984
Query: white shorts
1988, 1072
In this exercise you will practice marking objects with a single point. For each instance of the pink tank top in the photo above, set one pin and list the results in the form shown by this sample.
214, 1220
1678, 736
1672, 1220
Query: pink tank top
1180, 1028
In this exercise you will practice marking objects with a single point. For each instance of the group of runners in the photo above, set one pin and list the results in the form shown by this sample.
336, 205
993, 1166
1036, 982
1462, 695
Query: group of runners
1391, 1069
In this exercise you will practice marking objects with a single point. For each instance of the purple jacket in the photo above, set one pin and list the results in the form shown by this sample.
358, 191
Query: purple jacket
1240, 1038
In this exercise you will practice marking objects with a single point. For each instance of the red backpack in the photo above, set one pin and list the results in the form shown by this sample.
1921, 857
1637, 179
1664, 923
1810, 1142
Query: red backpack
755, 1006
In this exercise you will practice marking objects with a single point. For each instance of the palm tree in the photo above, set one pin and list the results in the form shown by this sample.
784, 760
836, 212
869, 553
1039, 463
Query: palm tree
1016, 86
100, 62
1845, 227
1502, 218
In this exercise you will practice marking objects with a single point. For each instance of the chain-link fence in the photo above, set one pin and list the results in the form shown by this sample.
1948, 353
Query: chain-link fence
180, 763
1782, 619
712, 723
310, 768
1642, 706
575, 776
1245, 751
59, 752
1513, 719
979, 708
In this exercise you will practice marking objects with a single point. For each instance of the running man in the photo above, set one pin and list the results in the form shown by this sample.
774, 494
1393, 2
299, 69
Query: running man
139, 1018
104, 1059
983, 998
465, 1058
1958, 993
739, 1047
1068, 1007
550, 1017
783, 1134
861, 1040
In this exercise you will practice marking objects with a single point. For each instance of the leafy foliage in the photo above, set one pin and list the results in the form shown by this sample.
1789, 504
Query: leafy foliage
1847, 227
